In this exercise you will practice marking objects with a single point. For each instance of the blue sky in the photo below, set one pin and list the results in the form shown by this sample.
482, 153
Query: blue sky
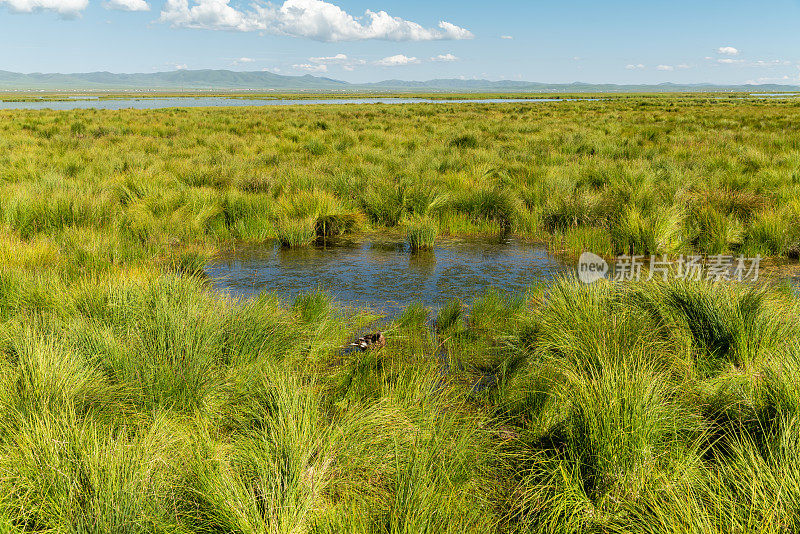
369, 40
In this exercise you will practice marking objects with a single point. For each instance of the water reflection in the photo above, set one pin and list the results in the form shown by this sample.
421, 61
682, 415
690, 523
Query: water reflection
385, 274
78, 102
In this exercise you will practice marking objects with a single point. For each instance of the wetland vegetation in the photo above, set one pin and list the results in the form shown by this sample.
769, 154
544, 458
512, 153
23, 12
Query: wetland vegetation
136, 398
653, 175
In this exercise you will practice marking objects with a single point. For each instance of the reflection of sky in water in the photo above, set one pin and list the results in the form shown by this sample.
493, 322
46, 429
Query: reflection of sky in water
385, 274
79, 102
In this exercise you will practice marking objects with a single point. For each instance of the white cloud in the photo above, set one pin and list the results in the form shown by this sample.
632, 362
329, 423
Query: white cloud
759, 63
771, 63
396, 61
665, 67
243, 60
683, 66
338, 58
208, 14
444, 57
637, 66
509, 37
728, 51
127, 5
451, 31
312, 19
182, 66
65, 8
784, 78
307, 67
347, 63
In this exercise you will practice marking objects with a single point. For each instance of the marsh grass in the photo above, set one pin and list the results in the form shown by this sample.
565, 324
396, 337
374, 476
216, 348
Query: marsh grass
663, 402
134, 398
581, 169
422, 232
296, 232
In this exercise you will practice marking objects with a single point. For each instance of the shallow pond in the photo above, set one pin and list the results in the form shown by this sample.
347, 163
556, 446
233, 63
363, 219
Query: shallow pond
78, 102
384, 274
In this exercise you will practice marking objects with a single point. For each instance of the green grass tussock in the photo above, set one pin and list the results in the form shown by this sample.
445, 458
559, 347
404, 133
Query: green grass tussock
422, 233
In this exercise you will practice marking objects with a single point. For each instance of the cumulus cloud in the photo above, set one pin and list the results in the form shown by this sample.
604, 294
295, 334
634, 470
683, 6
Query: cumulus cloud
243, 60
637, 66
444, 57
308, 67
208, 14
182, 66
729, 61
509, 37
396, 61
311, 19
65, 8
728, 51
451, 31
127, 5
665, 67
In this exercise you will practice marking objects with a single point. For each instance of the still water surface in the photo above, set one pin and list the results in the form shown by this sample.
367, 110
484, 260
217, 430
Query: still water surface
221, 101
384, 274
775, 95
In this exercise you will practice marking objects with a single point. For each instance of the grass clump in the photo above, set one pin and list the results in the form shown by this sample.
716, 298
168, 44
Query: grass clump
465, 141
294, 233
321, 212
422, 232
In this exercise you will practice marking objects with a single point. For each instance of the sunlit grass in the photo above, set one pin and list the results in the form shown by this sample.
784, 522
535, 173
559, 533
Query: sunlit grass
422, 233
134, 398
655, 174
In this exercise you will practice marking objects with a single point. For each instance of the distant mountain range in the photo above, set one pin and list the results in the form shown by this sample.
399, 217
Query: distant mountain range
194, 80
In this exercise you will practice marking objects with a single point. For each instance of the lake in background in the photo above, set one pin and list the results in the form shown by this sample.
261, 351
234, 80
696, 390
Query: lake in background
77, 102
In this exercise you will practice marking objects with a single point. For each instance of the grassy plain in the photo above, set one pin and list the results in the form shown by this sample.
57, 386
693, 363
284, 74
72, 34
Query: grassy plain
134, 398
651, 175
